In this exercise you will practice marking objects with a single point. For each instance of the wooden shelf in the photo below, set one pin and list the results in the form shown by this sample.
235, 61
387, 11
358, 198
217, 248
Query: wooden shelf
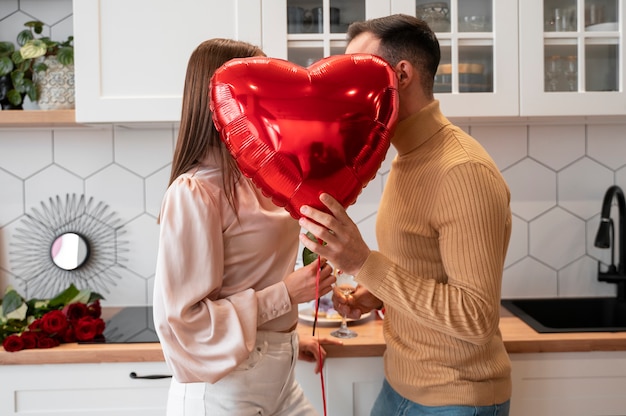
37, 118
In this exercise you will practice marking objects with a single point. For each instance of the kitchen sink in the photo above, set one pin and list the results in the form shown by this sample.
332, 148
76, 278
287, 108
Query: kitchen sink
593, 314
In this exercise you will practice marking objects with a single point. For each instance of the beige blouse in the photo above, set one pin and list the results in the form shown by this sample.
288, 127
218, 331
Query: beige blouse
218, 277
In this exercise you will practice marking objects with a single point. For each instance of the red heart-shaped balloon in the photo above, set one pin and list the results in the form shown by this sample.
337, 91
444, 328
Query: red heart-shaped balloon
298, 132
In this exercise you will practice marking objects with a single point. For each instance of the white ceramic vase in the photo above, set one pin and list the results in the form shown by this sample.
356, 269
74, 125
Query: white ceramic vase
55, 85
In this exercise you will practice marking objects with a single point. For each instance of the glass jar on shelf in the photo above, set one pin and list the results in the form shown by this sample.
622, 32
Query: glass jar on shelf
584, 35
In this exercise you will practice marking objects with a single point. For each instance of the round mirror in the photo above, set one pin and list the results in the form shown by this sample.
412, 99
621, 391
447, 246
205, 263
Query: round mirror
69, 251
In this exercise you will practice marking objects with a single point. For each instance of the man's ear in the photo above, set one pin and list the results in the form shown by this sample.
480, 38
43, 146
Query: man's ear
405, 71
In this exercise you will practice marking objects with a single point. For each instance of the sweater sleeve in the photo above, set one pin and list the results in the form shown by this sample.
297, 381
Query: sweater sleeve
203, 337
471, 221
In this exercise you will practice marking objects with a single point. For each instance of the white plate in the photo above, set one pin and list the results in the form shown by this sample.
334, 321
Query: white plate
603, 27
308, 315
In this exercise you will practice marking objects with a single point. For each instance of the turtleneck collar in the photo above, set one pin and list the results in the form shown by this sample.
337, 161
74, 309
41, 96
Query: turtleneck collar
418, 128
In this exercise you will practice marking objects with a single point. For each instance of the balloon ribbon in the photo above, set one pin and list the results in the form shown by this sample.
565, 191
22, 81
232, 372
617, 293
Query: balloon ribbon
319, 344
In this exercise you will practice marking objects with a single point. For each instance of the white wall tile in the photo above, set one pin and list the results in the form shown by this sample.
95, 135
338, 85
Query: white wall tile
143, 151
518, 245
506, 144
48, 183
83, 151
24, 152
156, 185
607, 144
582, 186
579, 279
11, 198
120, 188
54, 10
142, 233
557, 146
557, 238
529, 278
533, 188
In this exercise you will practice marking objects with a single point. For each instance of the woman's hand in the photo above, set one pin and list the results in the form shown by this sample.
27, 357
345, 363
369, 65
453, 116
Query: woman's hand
309, 350
301, 284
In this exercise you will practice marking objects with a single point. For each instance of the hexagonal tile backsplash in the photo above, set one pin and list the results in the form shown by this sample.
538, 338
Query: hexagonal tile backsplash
557, 172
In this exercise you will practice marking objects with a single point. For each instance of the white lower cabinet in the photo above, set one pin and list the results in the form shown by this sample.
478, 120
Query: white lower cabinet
544, 384
572, 384
105, 389
351, 384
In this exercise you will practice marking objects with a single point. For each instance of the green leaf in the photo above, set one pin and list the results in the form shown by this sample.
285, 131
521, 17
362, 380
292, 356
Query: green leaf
82, 297
6, 48
36, 25
31, 90
6, 66
14, 97
24, 36
95, 296
65, 297
18, 314
11, 301
308, 256
33, 49
65, 56
16, 57
39, 66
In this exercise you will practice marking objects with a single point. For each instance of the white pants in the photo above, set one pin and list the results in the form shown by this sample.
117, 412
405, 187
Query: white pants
265, 385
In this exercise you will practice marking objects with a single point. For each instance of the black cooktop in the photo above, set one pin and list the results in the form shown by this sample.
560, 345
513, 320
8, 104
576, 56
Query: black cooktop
132, 324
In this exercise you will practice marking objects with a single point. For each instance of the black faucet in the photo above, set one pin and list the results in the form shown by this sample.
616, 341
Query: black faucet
606, 236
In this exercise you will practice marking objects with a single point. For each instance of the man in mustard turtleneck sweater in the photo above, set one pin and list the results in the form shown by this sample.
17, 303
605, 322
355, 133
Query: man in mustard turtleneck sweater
443, 229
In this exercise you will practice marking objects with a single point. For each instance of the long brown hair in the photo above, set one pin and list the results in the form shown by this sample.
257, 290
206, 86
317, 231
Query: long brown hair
197, 135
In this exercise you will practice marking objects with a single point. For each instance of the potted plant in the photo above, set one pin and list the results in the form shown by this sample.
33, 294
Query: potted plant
12, 94
38, 57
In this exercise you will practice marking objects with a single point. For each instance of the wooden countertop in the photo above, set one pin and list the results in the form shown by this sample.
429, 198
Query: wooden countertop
518, 338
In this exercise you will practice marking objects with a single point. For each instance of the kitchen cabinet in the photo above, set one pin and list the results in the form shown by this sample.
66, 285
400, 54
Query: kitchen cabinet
572, 57
479, 75
131, 57
351, 384
573, 384
104, 389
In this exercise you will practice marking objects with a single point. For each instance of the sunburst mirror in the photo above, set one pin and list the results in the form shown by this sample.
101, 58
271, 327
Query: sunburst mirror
68, 240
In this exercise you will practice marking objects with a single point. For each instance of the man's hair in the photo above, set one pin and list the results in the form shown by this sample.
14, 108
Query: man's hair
404, 37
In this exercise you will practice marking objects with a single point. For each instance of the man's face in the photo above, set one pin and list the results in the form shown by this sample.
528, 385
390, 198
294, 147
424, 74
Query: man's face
366, 42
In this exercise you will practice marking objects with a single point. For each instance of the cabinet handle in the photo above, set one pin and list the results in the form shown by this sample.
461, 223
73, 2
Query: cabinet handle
134, 375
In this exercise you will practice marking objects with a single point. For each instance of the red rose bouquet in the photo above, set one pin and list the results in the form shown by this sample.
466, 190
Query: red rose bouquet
73, 315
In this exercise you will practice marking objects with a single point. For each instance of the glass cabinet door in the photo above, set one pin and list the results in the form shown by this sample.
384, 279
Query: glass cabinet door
478, 73
581, 46
573, 59
317, 28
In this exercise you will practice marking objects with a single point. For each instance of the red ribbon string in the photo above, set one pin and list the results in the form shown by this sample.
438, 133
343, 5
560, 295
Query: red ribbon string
319, 344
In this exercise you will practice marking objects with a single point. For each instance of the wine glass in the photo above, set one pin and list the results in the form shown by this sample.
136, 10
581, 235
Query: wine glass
345, 285
571, 73
553, 72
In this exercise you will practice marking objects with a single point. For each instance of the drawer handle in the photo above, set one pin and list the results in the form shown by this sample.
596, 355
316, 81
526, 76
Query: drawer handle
134, 375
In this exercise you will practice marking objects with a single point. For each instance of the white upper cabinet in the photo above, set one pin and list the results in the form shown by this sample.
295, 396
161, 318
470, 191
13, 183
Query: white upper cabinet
566, 57
479, 66
478, 73
572, 57
131, 56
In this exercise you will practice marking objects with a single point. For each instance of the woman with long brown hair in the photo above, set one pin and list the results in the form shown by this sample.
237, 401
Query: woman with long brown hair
226, 293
